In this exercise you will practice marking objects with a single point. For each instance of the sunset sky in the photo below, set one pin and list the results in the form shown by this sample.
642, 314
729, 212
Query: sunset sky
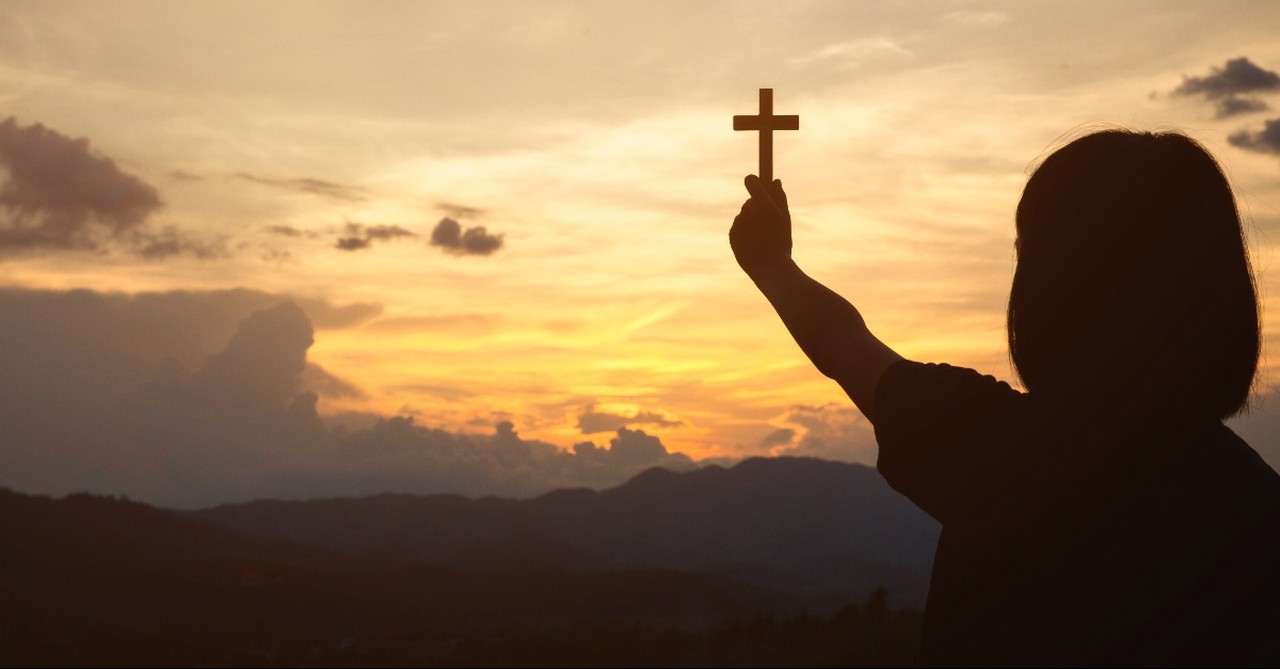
508, 222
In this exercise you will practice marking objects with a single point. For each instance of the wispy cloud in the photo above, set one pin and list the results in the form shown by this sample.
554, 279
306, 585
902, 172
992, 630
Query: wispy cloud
470, 323
285, 231
458, 210
853, 52
308, 185
591, 421
169, 241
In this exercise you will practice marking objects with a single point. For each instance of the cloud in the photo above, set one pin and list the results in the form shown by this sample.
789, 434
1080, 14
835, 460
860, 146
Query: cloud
458, 210
306, 185
327, 315
263, 362
382, 232
184, 325
1239, 75
169, 241
468, 323
315, 379
60, 194
167, 394
191, 399
449, 235
780, 437
352, 244
830, 431
183, 175
591, 421
284, 231
630, 451
1234, 106
1226, 86
1265, 141
852, 53
360, 236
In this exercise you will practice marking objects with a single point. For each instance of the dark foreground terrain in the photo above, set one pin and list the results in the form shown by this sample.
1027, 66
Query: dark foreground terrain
399, 580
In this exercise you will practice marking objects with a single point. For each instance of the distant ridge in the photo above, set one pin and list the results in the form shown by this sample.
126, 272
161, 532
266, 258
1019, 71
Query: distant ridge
830, 530
79, 531
100, 581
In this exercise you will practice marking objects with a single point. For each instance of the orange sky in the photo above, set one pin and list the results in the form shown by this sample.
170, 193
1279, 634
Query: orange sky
594, 139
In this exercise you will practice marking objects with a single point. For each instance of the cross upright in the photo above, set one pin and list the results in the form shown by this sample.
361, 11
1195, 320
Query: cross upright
766, 123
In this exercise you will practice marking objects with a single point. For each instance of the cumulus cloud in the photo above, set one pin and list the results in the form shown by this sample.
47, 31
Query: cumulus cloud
1239, 75
60, 194
307, 185
1266, 140
359, 236
192, 399
830, 431
631, 451
591, 421
1229, 87
450, 236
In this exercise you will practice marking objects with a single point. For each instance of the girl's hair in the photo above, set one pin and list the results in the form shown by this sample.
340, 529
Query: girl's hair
1133, 290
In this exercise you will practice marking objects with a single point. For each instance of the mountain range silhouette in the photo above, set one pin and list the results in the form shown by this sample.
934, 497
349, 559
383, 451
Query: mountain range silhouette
103, 580
791, 524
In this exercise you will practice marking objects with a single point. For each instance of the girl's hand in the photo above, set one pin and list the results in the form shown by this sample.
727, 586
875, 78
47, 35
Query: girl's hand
761, 233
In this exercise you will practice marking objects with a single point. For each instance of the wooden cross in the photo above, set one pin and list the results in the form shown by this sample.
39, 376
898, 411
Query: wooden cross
766, 123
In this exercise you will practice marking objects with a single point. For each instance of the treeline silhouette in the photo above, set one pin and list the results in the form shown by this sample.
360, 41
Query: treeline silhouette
91, 580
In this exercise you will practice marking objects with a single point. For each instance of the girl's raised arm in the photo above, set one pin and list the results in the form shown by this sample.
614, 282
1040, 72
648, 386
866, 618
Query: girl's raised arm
826, 326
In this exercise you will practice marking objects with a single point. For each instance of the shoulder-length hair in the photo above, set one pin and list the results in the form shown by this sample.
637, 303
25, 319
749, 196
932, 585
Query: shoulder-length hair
1133, 289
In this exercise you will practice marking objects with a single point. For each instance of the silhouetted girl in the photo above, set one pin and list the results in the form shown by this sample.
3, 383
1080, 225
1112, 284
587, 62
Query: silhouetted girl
1106, 515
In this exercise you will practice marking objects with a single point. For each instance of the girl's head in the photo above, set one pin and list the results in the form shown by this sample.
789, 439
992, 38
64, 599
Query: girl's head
1133, 289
